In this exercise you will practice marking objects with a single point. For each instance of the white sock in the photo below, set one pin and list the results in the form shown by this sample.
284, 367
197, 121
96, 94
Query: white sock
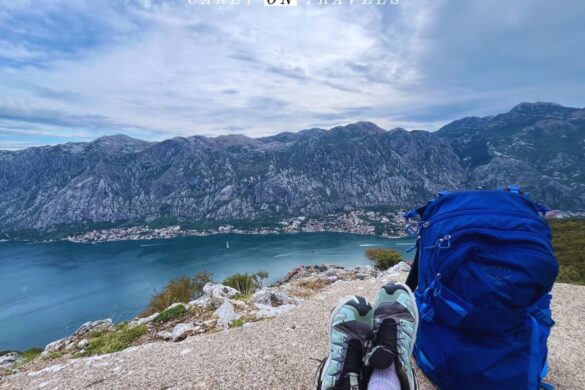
385, 379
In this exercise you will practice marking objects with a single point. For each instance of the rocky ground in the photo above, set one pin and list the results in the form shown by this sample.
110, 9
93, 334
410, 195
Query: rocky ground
275, 353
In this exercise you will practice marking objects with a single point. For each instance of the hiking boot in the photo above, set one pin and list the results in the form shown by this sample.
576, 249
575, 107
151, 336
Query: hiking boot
394, 333
350, 329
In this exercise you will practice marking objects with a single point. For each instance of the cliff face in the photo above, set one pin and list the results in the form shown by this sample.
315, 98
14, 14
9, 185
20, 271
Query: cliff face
540, 146
116, 179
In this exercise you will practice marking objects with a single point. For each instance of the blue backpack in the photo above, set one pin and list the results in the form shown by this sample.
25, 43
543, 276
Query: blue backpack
484, 269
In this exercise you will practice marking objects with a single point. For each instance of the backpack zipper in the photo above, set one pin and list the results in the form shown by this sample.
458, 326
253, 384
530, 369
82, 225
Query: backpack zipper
461, 237
447, 240
426, 224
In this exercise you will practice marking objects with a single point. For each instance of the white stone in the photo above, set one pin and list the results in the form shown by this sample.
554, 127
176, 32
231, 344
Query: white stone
209, 323
83, 343
55, 346
225, 314
271, 296
8, 359
214, 293
143, 321
180, 331
398, 268
94, 326
164, 335
219, 290
185, 306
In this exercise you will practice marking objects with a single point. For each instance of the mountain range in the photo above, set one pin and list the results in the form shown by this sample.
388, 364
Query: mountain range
117, 180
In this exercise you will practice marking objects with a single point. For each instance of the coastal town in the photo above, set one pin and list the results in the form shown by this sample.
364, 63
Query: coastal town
390, 224
381, 223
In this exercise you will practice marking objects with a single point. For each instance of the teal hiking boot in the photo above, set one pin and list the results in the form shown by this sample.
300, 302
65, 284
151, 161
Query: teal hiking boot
394, 332
350, 329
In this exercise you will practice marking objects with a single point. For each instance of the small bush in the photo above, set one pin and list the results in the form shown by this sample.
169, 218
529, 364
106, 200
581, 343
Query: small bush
56, 354
109, 342
383, 258
30, 355
244, 283
178, 290
260, 278
243, 297
237, 323
171, 313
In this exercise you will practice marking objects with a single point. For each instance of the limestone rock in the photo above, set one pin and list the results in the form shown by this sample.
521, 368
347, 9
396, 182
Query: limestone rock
185, 306
164, 335
143, 321
271, 296
94, 326
180, 331
225, 314
83, 344
398, 268
8, 360
214, 294
219, 290
55, 346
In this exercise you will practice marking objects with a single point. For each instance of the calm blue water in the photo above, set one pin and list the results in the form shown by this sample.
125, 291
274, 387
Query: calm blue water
47, 290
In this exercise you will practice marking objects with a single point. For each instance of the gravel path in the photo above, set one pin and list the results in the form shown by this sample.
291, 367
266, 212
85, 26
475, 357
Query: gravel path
276, 353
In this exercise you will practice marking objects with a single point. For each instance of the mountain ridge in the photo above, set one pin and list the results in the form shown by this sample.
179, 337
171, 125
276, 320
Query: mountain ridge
118, 179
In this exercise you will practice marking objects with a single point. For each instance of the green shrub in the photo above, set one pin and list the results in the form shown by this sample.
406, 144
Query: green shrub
30, 355
180, 290
568, 240
244, 283
109, 342
169, 314
383, 258
237, 323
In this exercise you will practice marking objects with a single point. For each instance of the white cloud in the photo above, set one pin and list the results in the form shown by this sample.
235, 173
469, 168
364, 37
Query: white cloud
157, 69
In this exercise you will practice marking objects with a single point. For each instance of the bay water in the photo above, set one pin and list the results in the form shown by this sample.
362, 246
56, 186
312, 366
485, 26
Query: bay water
48, 289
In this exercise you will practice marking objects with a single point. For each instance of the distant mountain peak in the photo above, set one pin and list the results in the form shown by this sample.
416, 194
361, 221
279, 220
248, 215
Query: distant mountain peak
539, 108
358, 128
118, 143
118, 139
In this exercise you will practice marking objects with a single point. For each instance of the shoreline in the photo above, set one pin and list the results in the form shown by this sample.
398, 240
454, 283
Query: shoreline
241, 233
375, 223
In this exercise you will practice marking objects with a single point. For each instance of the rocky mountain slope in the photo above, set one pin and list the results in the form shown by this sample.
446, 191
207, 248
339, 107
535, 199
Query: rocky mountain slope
117, 179
540, 145
278, 353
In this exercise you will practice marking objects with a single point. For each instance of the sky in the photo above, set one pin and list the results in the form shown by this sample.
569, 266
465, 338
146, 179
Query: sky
75, 70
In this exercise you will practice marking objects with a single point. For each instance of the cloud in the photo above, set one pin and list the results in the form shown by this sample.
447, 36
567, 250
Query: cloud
157, 69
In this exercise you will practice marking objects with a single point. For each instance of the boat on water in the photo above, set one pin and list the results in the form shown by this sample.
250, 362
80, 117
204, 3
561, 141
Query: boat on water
227, 244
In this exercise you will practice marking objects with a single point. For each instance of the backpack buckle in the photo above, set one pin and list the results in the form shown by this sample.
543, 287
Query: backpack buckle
444, 242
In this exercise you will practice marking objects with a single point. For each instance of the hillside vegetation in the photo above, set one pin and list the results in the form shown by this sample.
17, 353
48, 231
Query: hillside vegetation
569, 246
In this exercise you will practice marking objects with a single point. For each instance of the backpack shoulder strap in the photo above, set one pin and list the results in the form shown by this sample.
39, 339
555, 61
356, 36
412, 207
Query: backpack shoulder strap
412, 279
